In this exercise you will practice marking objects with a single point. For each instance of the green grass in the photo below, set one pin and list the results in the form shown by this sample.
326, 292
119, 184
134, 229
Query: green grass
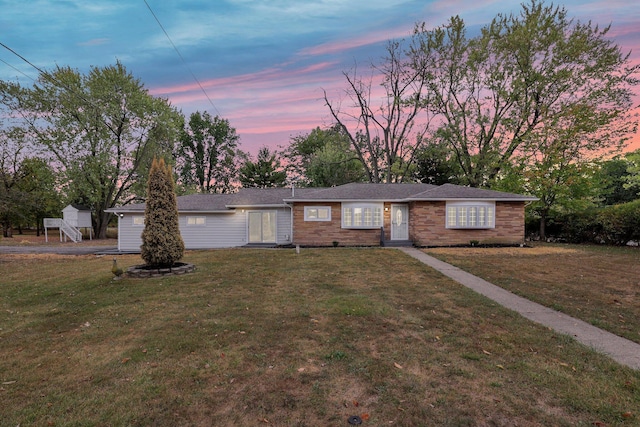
268, 337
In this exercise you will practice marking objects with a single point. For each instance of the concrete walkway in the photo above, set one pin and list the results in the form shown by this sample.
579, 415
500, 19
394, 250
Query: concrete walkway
620, 349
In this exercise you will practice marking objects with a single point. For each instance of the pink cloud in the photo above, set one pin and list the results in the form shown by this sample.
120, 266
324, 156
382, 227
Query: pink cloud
356, 42
269, 106
266, 107
261, 79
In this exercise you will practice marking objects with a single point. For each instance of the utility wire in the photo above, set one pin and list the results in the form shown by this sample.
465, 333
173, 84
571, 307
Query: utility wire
181, 57
48, 76
21, 57
20, 71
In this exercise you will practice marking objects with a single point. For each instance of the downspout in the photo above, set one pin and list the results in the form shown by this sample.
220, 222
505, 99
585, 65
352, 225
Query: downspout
293, 194
120, 216
290, 222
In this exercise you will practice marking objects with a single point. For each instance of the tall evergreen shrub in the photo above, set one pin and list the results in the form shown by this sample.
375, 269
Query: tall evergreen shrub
162, 244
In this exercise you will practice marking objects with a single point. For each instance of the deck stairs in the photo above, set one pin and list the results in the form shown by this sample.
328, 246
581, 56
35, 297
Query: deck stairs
69, 230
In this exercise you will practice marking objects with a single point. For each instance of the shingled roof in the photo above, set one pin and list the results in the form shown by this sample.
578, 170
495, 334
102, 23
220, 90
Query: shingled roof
452, 192
403, 193
274, 197
245, 197
363, 191
189, 203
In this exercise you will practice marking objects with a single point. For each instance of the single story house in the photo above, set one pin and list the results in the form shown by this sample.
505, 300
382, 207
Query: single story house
356, 214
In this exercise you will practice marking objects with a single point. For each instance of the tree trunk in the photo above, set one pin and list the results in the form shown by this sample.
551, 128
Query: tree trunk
102, 223
7, 231
543, 227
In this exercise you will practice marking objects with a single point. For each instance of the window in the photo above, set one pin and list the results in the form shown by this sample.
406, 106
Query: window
138, 220
470, 214
317, 213
196, 220
359, 215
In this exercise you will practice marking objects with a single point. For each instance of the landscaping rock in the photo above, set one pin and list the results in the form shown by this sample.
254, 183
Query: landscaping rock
143, 271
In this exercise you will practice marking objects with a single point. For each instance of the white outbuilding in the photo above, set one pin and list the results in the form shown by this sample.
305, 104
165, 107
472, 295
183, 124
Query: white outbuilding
78, 217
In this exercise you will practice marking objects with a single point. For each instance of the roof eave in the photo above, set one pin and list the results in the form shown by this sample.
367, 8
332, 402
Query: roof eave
251, 206
119, 211
221, 211
474, 199
345, 200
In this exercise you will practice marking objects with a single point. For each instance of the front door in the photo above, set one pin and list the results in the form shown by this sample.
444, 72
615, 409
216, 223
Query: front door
399, 222
262, 227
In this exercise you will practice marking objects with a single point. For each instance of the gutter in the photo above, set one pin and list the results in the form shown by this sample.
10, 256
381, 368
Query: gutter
281, 205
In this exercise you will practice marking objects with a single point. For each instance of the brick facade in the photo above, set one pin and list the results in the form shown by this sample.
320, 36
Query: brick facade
324, 233
426, 227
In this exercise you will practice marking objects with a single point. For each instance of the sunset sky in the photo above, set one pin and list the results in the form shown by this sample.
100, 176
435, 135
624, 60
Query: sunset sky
262, 63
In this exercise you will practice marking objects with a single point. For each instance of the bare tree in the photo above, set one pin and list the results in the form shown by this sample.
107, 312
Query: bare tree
385, 137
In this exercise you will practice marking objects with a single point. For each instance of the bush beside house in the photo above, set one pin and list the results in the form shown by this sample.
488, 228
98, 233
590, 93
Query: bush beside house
162, 244
611, 225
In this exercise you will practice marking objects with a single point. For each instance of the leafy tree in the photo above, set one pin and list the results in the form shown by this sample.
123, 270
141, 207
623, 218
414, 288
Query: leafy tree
557, 166
12, 198
264, 172
102, 129
162, 244
207, 154
385, 137
633, 173
436, 165
302, 148
323, 158
613, 179
333, 165
560, 185
38, 182
497, 94
28, 187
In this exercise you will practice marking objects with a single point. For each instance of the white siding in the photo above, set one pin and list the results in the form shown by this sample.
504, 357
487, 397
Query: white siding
84, 219
283, 226
219, 231
76, 217
223, 230
70, 215
129, 235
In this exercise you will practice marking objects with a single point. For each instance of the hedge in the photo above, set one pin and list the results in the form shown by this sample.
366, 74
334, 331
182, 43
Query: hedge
611, 225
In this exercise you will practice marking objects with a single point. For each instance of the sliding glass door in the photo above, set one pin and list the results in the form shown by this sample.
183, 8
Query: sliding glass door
262, 227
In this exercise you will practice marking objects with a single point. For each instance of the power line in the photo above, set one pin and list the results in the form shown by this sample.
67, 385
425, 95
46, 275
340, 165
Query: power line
20, 71
21, 57
181, 57
48, 76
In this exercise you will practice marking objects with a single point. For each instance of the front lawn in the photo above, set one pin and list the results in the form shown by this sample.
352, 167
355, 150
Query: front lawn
271, 337
597, 284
